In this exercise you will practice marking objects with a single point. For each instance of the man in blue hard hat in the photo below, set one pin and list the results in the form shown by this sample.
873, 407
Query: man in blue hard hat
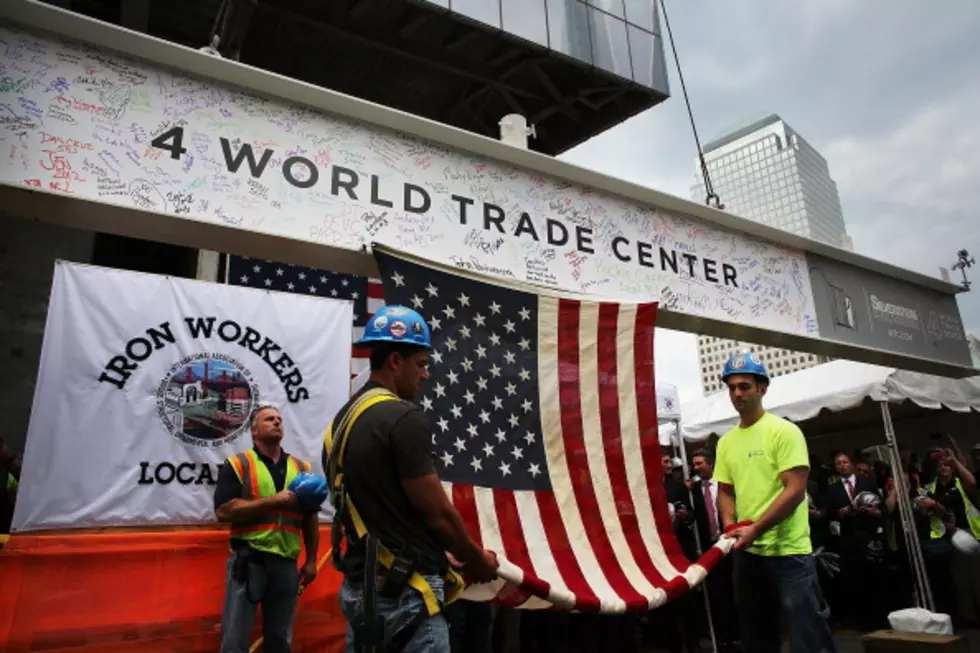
257, 496
391, 506
762, 468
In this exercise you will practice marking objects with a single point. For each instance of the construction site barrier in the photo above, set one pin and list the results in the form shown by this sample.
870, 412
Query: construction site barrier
158, 591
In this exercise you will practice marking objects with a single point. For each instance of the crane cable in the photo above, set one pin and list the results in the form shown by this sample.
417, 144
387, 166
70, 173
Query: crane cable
711, 199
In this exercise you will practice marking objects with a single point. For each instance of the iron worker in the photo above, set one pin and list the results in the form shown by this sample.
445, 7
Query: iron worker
257, 494
761, 468
391, 507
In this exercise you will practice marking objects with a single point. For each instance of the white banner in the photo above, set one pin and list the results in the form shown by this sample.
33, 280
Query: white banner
96, 125
146, 384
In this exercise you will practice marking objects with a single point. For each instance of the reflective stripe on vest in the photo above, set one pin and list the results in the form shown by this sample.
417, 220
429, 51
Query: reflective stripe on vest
277, 531
972, 514
936, 526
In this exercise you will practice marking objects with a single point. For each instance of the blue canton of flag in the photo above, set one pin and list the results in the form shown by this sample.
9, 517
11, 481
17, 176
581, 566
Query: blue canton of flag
481, 398
286, 277
366, 293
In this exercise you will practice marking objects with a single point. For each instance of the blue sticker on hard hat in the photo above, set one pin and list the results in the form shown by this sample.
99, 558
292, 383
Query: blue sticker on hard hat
380, 322
755, 359
418, 328
398, 329
738, 363
396, 311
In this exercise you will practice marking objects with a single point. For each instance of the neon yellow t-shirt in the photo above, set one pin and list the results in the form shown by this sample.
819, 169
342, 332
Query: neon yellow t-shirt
751, 460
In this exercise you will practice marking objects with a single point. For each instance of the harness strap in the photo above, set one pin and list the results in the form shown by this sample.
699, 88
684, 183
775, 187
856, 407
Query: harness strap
344, 506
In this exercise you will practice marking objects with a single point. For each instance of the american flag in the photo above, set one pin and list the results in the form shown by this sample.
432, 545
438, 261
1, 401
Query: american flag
366, 293
544, 423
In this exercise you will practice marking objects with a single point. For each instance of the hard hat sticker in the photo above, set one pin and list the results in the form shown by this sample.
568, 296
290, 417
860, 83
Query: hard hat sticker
417, 328
380, 322
398, 329
755, 359
738, 363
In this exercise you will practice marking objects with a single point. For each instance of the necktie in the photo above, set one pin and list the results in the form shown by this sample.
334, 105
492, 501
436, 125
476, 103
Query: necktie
712, 511
850, 488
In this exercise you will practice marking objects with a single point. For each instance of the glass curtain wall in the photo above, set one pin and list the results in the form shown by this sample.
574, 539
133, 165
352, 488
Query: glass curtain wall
621, 37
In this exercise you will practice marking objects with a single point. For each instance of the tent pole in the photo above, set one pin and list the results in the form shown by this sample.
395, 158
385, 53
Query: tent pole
923, 590
697, 536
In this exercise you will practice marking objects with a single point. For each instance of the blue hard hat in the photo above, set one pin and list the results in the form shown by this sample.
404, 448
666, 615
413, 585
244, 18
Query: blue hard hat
745, 363
397, 324
310, 490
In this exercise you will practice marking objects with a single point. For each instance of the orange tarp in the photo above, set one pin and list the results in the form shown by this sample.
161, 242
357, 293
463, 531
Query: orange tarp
149, 591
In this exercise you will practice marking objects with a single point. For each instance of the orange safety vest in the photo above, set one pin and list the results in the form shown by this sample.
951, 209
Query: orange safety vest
276, 531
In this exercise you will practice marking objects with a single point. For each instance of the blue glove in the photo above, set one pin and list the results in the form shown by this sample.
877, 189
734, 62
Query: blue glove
310, 490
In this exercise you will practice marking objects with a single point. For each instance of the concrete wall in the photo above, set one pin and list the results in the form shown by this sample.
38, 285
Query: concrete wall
28, 251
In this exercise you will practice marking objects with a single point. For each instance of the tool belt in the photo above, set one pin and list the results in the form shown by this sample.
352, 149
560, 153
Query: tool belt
385, 572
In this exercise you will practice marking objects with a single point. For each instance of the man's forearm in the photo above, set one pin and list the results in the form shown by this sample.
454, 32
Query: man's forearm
450, 531
780, 509
726, 508
241, 510
311, 535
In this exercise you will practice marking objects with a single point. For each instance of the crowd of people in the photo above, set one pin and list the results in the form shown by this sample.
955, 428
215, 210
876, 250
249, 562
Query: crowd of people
853, 508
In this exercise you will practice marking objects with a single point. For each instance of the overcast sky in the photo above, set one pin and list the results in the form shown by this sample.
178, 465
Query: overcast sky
888, 92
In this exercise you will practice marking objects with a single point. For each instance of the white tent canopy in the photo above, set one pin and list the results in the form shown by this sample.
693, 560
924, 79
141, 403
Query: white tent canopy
843, 405
840, 387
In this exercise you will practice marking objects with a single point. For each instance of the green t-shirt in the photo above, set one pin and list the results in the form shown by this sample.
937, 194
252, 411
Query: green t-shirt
751, 460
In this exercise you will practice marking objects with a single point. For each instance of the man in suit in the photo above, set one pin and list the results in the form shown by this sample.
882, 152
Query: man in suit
860, 586
720, 582
676, 626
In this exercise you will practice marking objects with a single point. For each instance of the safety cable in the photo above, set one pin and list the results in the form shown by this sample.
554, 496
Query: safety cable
711, 194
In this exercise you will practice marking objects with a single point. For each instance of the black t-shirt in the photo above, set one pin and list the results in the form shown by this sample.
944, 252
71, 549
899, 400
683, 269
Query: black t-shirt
952, 500
390, 441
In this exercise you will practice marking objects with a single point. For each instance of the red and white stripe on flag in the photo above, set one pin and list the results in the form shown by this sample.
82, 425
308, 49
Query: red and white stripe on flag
359, 361
601, 540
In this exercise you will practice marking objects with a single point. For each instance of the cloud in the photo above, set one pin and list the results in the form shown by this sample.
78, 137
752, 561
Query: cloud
909, 195
676, 362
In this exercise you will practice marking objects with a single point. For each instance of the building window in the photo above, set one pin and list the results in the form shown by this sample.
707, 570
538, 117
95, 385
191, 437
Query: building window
610, 49
527, 19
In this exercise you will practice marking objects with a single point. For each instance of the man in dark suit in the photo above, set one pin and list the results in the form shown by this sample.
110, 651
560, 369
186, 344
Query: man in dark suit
860, 585
720, 582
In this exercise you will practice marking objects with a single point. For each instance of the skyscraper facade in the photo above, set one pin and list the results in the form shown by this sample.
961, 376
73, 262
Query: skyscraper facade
764, 171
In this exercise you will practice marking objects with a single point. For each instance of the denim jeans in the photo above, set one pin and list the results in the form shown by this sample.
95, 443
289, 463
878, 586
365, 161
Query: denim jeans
273, 582
470, 626
770, 589
432, 634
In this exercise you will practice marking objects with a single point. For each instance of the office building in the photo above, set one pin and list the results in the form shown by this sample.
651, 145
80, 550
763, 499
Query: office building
572, 68
763, 170
713, 352
766, 172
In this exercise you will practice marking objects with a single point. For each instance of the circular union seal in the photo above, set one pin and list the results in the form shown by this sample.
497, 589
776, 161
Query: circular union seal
380, 322
398, 329
755, 359
738, 362
206, 399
